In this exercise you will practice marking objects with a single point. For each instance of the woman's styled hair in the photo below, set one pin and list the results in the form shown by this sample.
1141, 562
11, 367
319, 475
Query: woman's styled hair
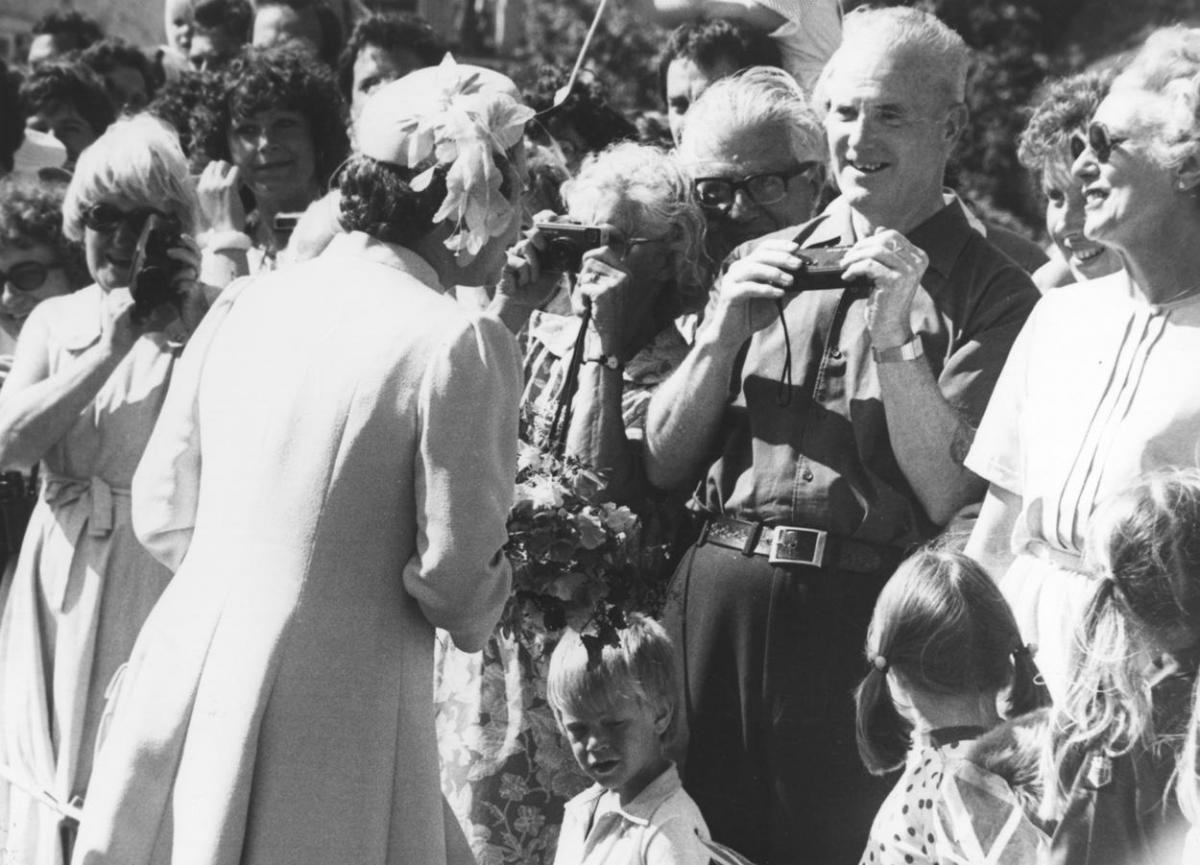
655, 199
1064, 112
641, 667
281, 77
137, 158
761, 97
1168, 65
941, 622
31, 214
1188, 782
1145, 542
377, 198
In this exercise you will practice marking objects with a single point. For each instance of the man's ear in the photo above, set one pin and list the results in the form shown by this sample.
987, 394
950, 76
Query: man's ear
1187, 176
956, 121
662, 720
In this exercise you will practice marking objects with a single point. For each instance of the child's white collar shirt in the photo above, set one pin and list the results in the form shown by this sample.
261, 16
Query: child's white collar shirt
661, 826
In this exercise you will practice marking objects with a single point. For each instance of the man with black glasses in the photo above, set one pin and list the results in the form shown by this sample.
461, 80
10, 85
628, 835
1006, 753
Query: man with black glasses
828, 427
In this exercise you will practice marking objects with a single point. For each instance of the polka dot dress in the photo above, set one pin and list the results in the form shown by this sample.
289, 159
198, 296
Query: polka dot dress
903, 831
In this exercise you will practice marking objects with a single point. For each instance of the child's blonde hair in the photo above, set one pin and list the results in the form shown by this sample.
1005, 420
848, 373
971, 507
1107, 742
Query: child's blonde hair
640, 667
1145, 543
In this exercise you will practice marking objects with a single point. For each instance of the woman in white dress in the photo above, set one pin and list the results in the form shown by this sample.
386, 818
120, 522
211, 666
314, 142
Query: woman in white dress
329, 480
1099, 386
86, 386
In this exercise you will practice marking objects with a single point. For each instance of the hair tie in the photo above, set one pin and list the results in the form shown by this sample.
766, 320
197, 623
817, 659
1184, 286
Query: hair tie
880, 663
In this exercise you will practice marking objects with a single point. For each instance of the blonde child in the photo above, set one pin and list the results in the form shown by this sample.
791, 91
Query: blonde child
618, 708
943, 646
1118, 733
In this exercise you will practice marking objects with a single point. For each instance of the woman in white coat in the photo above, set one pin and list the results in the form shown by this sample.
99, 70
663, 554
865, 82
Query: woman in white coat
330, 479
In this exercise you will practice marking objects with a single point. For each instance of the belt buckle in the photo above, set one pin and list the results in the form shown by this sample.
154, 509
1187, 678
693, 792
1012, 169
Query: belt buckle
788, 538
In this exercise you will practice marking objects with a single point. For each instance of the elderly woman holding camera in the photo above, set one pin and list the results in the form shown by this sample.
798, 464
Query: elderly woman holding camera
633, 235
85, 389
1096, 389
643, 271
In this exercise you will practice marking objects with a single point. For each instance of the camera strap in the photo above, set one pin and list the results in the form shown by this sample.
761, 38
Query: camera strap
559, 428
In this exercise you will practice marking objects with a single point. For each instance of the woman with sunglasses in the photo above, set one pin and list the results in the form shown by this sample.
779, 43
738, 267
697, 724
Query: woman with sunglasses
507, 770
1097, 389
37, 261
1049, 145
89, 377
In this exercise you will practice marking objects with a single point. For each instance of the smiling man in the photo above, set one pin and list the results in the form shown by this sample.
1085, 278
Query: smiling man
828, 428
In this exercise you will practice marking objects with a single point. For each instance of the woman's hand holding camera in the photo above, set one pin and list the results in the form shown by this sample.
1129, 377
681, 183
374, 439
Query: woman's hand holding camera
523, 285
604, 283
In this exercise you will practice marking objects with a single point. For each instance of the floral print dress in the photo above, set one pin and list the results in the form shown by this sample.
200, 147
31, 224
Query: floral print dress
507, 770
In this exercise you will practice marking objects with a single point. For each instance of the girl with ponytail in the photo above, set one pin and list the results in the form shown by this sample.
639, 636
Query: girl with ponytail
1116, 737
943, 647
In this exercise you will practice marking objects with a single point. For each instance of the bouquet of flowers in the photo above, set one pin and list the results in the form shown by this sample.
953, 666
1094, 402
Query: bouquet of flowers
577, 561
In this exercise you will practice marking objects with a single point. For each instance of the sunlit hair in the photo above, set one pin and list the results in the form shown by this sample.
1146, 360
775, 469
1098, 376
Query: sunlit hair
1168, 66
941, 622
898, 30
138, 158
641, 667
655, 199
31, 214
1145, 542
759, 98
1064, 112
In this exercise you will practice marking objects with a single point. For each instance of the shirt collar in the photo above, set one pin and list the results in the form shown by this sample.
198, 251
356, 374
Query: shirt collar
645, 803
361, 245
942, 236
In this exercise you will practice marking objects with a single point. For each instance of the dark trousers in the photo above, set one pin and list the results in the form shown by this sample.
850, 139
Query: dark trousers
770, 657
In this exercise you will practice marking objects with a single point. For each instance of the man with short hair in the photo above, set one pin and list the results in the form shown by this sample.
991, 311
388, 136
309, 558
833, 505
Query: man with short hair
700, 52
829, 427
385, 46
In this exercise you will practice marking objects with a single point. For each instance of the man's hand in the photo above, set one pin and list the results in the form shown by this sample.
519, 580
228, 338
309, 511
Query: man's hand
748, 292
896, 266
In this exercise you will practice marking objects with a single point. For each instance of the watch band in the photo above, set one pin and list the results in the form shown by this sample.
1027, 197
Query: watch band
910, 350
610, 361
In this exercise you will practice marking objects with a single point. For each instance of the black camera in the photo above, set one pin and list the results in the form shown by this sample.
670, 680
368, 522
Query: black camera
566, 243
821, 269
153, 269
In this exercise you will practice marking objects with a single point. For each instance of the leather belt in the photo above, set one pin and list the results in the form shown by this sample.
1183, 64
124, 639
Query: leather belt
797, 545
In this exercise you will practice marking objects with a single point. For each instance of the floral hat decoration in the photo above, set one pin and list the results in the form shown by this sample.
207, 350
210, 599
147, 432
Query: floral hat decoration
454, 118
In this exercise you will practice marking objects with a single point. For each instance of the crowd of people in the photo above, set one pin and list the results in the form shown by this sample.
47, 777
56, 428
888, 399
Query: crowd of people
289, 302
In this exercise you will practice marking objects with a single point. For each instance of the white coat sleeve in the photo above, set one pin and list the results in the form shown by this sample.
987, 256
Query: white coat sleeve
465, 475
166, 485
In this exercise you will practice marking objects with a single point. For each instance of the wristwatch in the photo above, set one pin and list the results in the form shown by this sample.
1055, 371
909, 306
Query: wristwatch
910, 350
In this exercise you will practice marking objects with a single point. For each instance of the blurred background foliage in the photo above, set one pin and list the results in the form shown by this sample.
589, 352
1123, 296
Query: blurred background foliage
1018, 44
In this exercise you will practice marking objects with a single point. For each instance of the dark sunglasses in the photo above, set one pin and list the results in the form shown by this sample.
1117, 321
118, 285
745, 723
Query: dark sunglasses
106, 218
718, 193
27, 275
1099, 140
